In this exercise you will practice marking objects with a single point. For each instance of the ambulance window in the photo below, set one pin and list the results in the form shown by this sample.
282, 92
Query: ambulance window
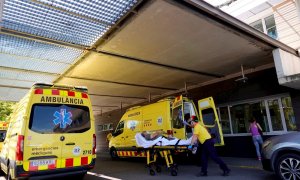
177, 118
57, 118
120, 128
189, 108
2, 135
208, 116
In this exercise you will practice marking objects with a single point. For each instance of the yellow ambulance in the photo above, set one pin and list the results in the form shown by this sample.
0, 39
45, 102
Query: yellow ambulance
51, 133
3, 130
167, 116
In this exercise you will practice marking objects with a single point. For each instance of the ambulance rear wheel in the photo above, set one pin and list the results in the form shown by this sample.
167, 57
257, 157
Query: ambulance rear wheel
113, 154
81, 176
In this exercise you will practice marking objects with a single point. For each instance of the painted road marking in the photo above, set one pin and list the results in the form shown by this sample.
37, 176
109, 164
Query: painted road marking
247, 167
103, 176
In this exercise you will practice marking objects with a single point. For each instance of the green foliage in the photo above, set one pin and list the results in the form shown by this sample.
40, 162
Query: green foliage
6, 109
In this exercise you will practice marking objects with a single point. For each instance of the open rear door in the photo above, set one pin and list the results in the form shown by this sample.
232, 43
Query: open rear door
208, 115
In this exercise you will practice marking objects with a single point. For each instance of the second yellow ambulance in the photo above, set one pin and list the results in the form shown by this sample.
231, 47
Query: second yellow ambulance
51, 133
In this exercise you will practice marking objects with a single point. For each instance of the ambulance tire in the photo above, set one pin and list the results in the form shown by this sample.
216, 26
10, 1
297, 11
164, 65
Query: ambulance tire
113, 154
81, 176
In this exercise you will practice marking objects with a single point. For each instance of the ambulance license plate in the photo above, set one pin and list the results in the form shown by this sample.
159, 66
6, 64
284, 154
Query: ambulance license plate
43, 162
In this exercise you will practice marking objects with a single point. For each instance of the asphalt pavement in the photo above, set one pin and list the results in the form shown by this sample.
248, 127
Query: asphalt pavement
134, 168
241, 169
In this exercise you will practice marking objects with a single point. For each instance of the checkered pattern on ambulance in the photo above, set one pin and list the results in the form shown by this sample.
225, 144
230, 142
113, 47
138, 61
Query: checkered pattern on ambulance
131, 154
35, 165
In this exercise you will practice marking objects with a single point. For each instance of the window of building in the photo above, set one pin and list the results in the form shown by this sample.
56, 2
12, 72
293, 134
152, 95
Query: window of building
271, 27
273, 114
288, 114
258, 25
224, 120
266, 25
105, 127
241, 115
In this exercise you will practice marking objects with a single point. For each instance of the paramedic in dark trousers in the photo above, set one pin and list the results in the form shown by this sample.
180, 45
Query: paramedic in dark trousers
200, 133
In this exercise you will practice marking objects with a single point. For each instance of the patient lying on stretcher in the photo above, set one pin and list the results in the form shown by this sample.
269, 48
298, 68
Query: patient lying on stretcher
147, 139
154, 135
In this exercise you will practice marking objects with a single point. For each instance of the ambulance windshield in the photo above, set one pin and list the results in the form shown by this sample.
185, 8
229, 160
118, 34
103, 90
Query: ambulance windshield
57, 118
2, 135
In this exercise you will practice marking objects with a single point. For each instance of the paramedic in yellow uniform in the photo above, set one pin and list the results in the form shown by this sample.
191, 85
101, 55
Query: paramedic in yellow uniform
201, 133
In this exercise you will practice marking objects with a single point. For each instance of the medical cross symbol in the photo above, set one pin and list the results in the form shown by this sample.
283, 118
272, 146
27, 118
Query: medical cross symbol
63, 118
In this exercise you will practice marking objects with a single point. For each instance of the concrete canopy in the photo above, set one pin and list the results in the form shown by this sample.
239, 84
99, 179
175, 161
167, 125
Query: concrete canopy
134, 61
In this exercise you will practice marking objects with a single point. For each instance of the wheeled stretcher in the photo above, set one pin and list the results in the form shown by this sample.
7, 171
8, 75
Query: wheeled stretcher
162, 147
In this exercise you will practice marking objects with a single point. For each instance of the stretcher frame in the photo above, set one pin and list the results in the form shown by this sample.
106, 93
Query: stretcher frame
165, 152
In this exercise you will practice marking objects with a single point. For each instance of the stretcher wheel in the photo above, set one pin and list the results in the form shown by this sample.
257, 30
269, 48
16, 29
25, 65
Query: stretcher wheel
173, 172
158, 169
151, 172
175, 166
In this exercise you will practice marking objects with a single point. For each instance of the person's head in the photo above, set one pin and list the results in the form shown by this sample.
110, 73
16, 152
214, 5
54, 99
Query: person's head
192, 121
187, 116
252, 120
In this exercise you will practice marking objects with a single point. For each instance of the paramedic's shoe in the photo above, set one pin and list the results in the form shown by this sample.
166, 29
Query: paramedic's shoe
201, 174
226, 172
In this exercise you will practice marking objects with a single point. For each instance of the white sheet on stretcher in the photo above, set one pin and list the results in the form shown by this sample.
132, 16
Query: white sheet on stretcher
160, 141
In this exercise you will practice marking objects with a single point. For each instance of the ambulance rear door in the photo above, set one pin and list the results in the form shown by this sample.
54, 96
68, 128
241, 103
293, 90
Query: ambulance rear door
42, 146
209, 117
77, 136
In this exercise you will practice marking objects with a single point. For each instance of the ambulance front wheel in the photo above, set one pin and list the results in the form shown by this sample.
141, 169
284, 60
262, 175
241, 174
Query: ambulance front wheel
113, 154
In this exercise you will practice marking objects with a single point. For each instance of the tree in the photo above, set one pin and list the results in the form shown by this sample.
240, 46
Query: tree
6, 109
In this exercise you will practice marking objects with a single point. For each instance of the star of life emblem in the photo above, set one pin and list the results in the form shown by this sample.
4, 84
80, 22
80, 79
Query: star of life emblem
62, 118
